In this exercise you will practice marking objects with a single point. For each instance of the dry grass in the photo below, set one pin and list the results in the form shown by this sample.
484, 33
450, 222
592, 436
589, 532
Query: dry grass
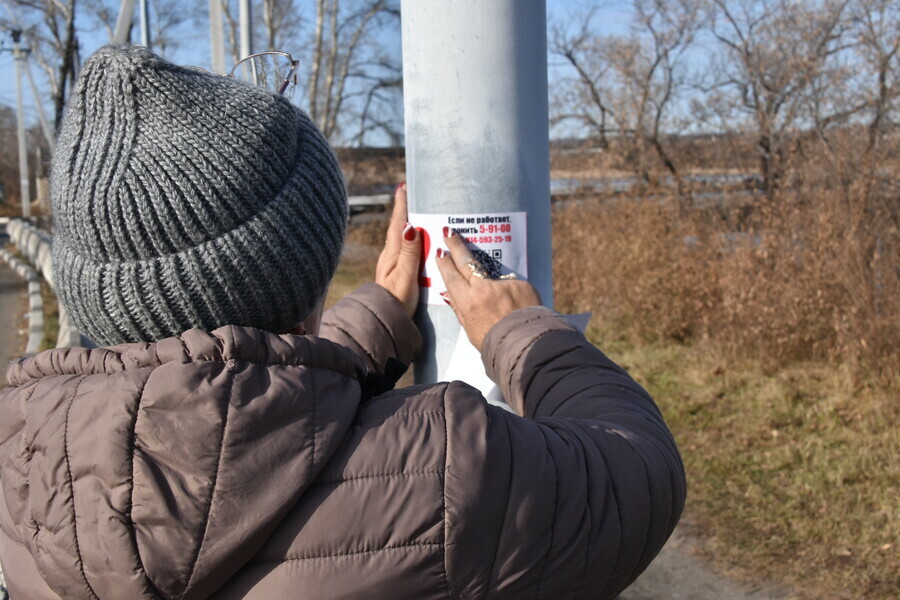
365, 239
51, 316
800, 278
792, 476
770, 334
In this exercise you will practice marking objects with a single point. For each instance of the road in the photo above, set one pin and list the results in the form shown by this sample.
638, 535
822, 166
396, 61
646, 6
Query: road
12, 310
678, 574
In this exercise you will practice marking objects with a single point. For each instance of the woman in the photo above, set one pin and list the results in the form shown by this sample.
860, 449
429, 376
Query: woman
228, 442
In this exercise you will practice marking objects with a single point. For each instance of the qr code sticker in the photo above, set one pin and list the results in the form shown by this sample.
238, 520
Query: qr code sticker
491, 265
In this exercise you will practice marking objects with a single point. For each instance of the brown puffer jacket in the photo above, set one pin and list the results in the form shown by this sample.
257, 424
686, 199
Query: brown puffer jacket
241, 464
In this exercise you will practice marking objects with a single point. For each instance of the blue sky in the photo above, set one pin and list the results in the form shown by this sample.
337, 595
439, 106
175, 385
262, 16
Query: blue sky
612, 19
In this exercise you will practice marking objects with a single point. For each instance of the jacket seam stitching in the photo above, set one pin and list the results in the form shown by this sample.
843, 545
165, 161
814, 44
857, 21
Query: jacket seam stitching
25, 445
384, 324
553, 513
212, 492
582, 580
13, 539
355, 341
515, 366
315, 431
648, 477
402, 413
505, 507
612, 488
348, 554
394, 475
444, 490
27, 464
133, 451
72, 488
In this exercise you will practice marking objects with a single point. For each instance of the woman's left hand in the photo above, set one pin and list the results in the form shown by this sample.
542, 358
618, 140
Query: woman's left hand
398, 266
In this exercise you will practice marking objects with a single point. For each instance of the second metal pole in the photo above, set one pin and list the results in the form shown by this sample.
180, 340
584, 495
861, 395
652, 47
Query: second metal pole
246, 25
216, 36
24, 183
477, 133
145, 24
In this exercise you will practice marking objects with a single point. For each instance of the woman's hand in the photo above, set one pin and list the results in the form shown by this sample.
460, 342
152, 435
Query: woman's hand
478, 303
397, 270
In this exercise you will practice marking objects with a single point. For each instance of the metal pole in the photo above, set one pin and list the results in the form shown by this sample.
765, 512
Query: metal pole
246, 18
145, 24
477, 132
216, 38
123, 23
24, 185
45, 125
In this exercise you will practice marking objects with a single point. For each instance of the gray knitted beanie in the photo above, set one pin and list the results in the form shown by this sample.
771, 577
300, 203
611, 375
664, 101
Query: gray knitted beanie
185, 199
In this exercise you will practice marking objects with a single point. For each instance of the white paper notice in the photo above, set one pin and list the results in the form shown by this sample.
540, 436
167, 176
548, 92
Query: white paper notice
466, 365
498, 240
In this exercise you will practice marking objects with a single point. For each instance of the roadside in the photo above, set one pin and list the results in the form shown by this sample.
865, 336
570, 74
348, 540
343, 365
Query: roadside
12, 309
678, 573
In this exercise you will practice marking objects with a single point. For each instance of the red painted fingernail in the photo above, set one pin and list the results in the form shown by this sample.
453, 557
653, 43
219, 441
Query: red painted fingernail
439, 253
409, 233
402, 184
445, 297
446, 231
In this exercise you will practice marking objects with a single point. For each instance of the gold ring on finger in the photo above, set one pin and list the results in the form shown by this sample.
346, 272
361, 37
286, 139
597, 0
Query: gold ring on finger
477, 270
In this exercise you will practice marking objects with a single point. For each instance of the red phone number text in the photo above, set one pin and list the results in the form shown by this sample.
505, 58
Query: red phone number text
488, 239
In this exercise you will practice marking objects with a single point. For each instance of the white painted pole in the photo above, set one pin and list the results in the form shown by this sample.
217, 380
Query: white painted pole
123, 23
477, 131
45, 125
246, 22
145, 24
216, 36
24, 185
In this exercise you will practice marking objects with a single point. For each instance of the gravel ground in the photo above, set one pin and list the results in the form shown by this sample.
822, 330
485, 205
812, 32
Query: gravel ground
679, 574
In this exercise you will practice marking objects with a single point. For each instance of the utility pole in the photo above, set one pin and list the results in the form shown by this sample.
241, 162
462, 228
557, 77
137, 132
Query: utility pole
123, 23
42, 116
24, 186
145, 24
477, 134
246, 19
216, 38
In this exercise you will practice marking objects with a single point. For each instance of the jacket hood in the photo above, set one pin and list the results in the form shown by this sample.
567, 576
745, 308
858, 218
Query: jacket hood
157, 470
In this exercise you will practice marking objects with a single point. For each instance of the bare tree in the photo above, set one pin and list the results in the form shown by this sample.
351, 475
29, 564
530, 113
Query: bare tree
779, 70
279, 21
167, 17
878, 49
351, 80
49, 32
627, 86
345, 63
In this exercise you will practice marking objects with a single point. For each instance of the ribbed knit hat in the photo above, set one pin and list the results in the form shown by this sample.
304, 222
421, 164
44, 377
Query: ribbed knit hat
185, 199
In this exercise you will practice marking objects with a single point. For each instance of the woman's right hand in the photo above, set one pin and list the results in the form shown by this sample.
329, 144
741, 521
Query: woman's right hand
479, 303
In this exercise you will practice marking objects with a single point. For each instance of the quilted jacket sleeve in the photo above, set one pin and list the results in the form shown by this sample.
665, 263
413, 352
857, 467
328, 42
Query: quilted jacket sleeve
585, 490
371, 322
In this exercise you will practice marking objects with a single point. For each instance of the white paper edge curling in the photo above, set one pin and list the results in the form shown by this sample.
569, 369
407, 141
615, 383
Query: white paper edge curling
466, 364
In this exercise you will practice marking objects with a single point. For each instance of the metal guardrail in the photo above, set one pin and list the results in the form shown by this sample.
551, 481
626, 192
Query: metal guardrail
34, 245
35, 301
